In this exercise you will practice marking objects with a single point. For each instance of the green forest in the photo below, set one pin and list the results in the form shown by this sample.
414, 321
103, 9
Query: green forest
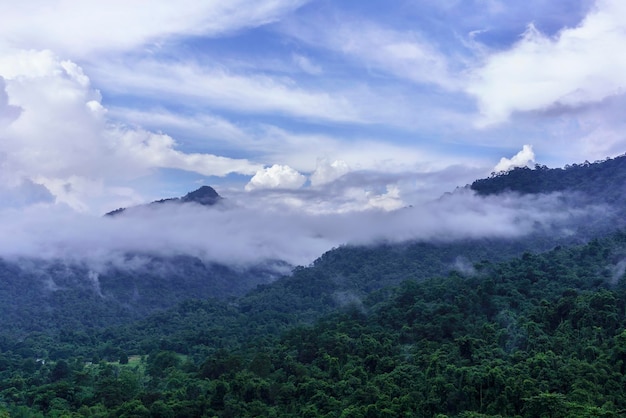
482, 328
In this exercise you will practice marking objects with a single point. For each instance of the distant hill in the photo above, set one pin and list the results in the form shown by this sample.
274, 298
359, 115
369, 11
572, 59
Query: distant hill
45, 296
601, 181
205, 196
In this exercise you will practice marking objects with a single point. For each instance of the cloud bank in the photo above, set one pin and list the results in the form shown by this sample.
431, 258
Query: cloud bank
249, 229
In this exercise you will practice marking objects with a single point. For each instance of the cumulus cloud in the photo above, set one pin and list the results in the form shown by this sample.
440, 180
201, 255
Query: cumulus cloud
577, 66
276, 177
363, 190
61, 136
521, 159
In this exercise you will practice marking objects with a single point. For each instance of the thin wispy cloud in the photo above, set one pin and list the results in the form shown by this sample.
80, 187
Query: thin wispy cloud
88, 27
405, 54
220, 88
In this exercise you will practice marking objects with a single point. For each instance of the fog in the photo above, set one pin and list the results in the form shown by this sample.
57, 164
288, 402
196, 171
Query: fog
248, 228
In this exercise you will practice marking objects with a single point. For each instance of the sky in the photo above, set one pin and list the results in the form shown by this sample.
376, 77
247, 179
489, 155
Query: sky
325, 107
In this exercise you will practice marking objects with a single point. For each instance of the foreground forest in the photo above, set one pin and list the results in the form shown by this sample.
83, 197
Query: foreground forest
465, 329
540, 335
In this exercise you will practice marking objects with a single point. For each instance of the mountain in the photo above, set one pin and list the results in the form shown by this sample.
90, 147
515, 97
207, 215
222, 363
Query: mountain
205, 196
602, 181
52, 291
48, 296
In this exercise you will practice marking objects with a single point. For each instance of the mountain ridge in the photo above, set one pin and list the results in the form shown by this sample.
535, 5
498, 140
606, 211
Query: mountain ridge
205, 196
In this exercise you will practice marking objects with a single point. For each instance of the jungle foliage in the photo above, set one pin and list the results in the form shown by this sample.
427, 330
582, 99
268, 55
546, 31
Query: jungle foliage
540, 335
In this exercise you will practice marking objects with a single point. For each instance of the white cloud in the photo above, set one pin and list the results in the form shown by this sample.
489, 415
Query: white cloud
521, 159
301, 151
388, 201
201, 125
148, 149
24, 193
579, 65
79, 28
202, 86
276, 177
8, 113
325, 172
62, 138
306, 65
407, 55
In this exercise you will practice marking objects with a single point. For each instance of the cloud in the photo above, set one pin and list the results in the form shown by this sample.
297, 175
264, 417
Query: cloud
306, 65
521, 159
577, 66
24, 194
253, 227
388, 201
158, 150
8, 113
63, 139
276, 177
191, 83
199, 125
360, 152
408, 55
325, 172
91, 26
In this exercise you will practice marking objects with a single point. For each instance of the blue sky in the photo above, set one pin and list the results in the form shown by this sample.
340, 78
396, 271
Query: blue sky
331, 105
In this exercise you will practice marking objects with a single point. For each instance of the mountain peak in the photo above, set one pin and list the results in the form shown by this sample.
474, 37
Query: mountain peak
205, 195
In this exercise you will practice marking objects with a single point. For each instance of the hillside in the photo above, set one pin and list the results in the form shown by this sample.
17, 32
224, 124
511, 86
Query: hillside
540, 335
601, 181
50, 296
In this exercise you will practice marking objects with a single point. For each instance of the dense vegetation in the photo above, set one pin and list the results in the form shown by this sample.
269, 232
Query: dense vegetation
54, 296
540, 335
601, 181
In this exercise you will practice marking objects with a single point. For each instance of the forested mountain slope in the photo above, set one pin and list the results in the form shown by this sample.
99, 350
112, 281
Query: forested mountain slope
60, 300
49, 296
539, 335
